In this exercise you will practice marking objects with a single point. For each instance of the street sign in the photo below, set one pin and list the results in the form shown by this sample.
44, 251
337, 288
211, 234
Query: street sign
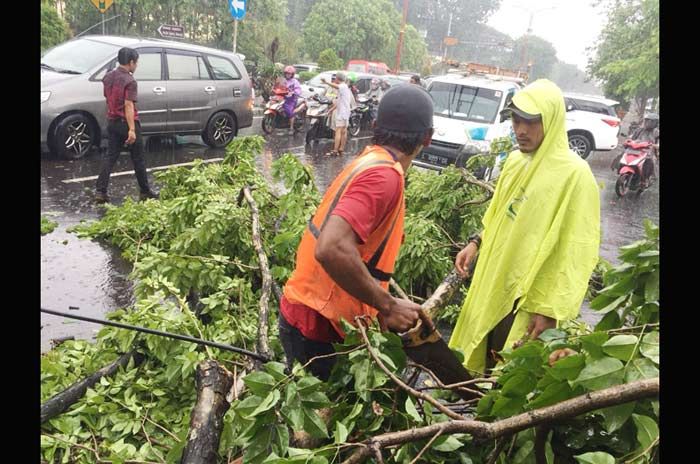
237, 8
171, 32
451, 41
102, 5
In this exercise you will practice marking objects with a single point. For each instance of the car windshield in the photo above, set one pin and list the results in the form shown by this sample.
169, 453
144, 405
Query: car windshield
466, 103
78, 56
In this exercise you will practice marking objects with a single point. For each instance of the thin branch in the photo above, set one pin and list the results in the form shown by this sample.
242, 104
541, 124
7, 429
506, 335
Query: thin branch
653, 443
263, 342
397, 288
398, 381
175, 437
498, 449
470, 179
442, 385
427, 445
574, 407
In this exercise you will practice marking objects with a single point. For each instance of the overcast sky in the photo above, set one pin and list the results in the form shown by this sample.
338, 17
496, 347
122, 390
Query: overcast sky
572, 26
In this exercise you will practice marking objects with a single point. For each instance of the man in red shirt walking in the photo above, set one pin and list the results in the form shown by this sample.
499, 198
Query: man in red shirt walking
347, 254
123, 127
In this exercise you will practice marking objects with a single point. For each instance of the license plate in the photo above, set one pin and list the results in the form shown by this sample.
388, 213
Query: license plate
435, 159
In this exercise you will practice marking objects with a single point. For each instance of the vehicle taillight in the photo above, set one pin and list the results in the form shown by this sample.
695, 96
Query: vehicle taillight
611, 122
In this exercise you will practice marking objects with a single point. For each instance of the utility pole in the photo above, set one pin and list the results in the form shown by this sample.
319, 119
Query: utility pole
397, 68
449, 32
524, 57
235, 34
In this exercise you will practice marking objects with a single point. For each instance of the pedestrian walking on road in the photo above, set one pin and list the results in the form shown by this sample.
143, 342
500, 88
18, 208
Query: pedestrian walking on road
123, 127
343, 107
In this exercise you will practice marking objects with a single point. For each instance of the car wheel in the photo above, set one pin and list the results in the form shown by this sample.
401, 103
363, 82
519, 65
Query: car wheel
220, 130
580, 144
74, 136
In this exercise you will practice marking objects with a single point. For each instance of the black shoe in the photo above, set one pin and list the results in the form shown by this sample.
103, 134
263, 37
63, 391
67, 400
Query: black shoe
101, 197
148, 194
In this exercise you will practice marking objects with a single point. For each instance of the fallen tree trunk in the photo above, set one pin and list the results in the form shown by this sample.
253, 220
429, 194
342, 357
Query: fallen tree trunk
611, 396
207, 420
443, 294
60, 402
263, 343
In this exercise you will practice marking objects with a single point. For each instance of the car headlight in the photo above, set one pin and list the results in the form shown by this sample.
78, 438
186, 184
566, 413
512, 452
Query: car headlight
45, 96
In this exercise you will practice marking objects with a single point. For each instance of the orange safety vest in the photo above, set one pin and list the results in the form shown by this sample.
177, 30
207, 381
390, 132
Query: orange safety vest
311, 285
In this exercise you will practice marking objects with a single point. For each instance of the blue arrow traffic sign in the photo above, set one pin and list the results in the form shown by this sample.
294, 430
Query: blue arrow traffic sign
237, 8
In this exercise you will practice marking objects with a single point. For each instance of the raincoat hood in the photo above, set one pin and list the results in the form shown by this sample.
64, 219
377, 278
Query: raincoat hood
541, 233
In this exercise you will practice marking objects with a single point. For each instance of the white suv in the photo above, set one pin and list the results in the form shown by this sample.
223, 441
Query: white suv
591, 123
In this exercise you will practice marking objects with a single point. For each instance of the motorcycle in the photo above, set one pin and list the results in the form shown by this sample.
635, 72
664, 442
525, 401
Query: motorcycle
362, 116
631, 167
318, 117
275, 117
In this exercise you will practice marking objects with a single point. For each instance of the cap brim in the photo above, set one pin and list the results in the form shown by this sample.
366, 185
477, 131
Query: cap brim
512, 109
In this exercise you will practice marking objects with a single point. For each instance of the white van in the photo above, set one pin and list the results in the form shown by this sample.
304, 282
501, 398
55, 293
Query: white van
465, 105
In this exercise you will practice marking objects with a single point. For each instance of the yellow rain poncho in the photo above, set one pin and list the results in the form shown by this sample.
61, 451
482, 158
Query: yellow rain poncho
540, 238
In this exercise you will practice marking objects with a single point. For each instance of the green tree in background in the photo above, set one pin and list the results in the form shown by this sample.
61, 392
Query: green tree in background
538, 51
626, 58
414, 53
328, 60
54, 29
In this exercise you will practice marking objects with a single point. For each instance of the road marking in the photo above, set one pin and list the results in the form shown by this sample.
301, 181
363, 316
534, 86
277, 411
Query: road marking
128, 173
160, 168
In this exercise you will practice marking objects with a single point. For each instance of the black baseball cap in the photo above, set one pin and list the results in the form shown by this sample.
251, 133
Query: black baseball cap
511, 108
405, 108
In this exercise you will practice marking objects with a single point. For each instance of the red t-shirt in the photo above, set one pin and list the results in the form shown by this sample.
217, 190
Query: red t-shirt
368, 199
119, 85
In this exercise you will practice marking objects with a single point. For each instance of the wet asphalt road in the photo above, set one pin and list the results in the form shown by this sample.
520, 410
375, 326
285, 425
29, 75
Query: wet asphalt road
92, 277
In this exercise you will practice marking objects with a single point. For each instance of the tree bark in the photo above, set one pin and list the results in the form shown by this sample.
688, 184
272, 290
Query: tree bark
612, 396
60, 402
442, 295
263, 343
207, 421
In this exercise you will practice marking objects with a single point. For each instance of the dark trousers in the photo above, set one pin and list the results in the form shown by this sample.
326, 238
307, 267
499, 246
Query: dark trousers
299, 348
117, 133
496, 339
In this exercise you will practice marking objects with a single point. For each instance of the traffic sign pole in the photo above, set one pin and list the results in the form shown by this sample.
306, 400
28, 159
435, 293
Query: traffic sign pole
103, 23
235, 34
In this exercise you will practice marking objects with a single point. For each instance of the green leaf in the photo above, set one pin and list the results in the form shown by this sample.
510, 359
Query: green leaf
647, 430
519, 385
313, 424
600, 373
260, 383
650, 346
308, 384
552, 334
610, 321
604, 304
615, 417
568, 368
523, 452
276, 370
315, 400
639, 369
282, 438
411, 410
621, 346
506, 406
341, 433
554, 393
651, 288
447, 444
593, 343
597, 457
268, 403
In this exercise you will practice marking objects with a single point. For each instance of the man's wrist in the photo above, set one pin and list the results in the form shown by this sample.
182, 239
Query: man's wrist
475, 239
384, 303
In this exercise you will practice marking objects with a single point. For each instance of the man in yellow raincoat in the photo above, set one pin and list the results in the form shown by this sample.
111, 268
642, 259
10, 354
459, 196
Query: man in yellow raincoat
540, 240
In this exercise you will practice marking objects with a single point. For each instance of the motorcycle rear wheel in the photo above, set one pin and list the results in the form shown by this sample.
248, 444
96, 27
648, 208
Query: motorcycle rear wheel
354, 125
622, 186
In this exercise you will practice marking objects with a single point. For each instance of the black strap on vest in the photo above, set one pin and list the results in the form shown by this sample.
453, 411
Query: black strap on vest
372, 263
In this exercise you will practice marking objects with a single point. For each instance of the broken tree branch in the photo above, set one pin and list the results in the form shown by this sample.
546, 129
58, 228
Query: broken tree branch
442, 295
498, 449
60, 402
398, 381
398, 289
582, 404
207, 420
263, 343
470, 179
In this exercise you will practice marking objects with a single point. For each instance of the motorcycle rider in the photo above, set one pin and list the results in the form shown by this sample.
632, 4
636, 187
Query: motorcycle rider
649, 132
352, 83
374, 95
293, 92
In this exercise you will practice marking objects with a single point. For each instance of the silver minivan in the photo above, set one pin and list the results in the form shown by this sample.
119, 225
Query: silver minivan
183, 89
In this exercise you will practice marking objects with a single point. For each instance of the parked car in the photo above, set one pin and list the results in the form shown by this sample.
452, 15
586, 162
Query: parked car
466, 117
592, 123
315, 86
184, 89
308, 67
